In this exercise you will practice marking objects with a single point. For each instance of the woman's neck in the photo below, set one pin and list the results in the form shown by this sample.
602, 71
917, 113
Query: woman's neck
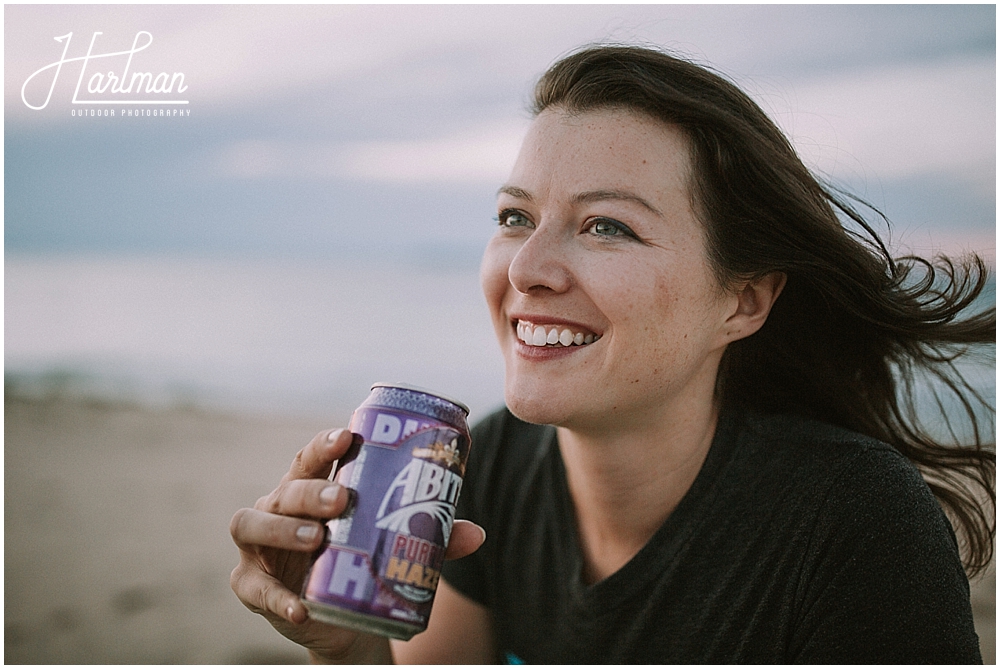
626, 481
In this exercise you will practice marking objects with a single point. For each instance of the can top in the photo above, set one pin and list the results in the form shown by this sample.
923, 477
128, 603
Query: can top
418, 389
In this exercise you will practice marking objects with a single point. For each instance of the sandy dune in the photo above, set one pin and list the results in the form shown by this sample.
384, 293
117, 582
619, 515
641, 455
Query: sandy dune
117, 548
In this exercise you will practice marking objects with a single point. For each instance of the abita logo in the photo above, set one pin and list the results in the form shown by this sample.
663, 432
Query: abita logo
419, 508
424, 488
122, 84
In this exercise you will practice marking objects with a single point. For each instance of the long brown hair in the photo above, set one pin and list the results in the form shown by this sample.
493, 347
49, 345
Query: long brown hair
856, 334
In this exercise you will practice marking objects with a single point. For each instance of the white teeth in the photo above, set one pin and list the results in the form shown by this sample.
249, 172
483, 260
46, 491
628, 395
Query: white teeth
538, 335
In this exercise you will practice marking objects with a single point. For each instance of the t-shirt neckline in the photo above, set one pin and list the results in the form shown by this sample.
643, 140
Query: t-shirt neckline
663, 546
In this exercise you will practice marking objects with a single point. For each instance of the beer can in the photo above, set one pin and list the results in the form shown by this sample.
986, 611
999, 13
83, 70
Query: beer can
378, 568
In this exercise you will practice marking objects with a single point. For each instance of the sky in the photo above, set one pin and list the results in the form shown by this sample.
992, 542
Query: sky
384, 131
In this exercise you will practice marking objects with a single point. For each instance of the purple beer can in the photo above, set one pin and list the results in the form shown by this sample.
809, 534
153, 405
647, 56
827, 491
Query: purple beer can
378, 569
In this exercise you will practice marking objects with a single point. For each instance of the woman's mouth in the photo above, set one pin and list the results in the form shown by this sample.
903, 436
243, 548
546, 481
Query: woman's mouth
554, 335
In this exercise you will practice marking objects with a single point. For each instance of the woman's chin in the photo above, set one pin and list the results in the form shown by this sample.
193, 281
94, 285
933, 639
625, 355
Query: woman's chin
534, 407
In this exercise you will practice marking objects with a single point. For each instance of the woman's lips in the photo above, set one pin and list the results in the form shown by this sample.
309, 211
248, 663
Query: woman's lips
554, 336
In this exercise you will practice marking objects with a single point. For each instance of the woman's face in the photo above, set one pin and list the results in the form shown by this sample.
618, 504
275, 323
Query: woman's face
597, 278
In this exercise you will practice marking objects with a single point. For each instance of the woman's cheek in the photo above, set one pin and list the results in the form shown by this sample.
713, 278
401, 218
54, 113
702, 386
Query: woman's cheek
493, 275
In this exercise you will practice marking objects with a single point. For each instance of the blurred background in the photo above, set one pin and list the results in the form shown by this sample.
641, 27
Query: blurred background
190, 297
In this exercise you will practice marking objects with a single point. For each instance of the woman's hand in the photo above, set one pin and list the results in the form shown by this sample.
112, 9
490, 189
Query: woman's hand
277, 537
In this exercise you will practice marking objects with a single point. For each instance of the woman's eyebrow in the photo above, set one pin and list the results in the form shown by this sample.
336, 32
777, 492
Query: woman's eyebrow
600, 195
586, 197
514, 191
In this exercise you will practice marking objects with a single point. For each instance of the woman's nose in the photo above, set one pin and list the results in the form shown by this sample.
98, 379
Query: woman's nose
541, 263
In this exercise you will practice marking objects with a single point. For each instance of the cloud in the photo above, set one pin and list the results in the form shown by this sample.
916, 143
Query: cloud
898, 121
485, 154
480, 154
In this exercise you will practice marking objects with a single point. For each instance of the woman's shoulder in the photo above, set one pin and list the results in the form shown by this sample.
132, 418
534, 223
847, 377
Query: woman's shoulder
876, 545
809, 445
797, 431
846, 477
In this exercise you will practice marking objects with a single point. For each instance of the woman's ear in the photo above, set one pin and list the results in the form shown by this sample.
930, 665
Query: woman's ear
754, 302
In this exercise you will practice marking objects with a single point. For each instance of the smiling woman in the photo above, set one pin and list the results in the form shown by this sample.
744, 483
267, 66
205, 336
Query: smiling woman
598, 237
706, 454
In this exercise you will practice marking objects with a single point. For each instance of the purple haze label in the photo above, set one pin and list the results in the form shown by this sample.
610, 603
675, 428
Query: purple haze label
384, 558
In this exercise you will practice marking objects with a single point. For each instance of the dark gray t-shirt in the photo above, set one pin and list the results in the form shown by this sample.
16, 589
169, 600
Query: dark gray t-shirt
797, 542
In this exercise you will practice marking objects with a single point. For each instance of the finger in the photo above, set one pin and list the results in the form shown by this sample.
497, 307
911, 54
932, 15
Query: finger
315, 498
262, 593
317, 458
253, 527
466, 538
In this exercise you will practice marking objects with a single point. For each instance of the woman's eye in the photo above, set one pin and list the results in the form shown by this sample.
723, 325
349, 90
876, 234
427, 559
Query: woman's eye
604, 227
513, 219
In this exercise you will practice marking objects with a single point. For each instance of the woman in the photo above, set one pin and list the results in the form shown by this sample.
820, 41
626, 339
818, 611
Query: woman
719, 356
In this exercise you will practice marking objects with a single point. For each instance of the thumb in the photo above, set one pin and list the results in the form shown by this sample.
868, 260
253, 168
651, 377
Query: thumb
466, 538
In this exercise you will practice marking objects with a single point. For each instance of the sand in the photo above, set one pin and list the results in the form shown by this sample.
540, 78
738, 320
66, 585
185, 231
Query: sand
117, 547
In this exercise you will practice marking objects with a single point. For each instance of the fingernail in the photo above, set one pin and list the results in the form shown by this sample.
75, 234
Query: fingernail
328, 495
333, 434
295, 618
306, 532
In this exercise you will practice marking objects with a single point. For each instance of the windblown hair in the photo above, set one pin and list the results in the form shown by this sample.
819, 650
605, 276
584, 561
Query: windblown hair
855, 335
